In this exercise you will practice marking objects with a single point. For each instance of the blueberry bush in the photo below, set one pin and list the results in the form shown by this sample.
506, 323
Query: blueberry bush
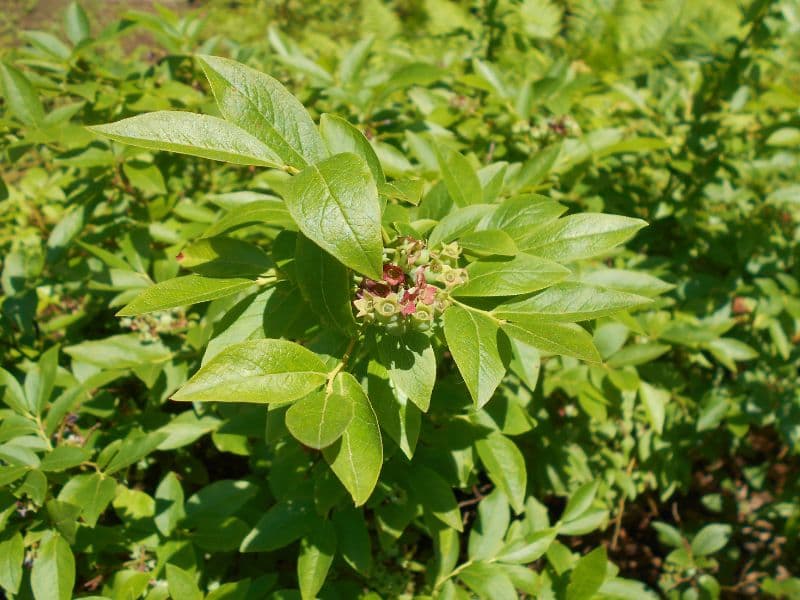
440, 299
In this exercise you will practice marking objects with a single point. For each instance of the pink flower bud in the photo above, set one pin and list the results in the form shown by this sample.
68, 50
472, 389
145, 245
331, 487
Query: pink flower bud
393, 275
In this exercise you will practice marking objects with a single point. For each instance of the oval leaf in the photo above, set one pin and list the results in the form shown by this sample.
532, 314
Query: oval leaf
53, 574
315, 559
357, 457
480, 353
262, 107
506, 467
190, 133
581, 236
224, 257
522, 274
326, 284
335, 204
319, 419
411, 364
571, 301
183, 291
340, 136
566, 339
259, 371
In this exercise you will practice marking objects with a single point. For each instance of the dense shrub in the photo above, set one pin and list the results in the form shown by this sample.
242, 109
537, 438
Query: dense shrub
422, 299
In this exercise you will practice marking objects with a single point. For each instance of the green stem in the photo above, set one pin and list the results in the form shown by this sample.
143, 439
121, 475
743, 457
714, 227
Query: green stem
342, 363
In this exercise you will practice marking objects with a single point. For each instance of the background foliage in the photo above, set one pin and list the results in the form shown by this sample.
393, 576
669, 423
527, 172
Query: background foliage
668, 470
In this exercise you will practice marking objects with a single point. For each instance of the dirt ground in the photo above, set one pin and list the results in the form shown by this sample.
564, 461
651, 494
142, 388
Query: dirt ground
19, 15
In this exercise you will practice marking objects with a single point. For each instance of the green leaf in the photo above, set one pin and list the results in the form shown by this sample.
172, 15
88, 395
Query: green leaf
398, 416
521, 216
566, 339
220, 534
489, 242
76, 23
460, 178
411, 365
710, 539
145, 177
633, 282
571, 301
588, 575
182, 584
520, 275
64, 517
668, 535
456, 223
436, 496
224, 257
319, 419
14, 395
40, 380
526, 362
580, 501
335, 204
489, 73
492, 178
315, 558
169, 504
12, 553
64, 457
786, 137
326, 284
119, 352
654, 400
489, 581
446, 549
34, 486
536, 169
581, 236
262, 107
271, 212
481, 354
9, 474
353, 539
730, 350
357, 457
183, 291
235, 590
245, 321
134, 448
281, 525
53, 573
340, 136
18, 455
529, 548
486, 535
505, 466
92, 492
541, 18
190, 133
47, 43
20, 96
636, 354
589, 521
259, 371
219, 499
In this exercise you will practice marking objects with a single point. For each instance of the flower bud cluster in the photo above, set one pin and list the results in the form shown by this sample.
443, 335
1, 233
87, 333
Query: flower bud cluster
545, 131
414, 289
152, 325
556, 127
